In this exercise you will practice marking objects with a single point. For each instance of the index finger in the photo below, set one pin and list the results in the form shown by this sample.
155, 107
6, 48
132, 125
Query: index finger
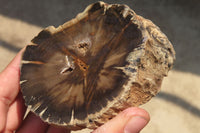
9, 87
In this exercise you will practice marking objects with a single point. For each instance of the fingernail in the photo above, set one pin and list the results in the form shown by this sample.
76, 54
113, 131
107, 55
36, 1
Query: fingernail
135, 124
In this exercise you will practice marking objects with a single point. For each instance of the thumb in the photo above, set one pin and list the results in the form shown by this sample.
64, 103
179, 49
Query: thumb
131, 120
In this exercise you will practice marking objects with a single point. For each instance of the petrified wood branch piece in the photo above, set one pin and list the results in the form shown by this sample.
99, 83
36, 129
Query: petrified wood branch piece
87, 70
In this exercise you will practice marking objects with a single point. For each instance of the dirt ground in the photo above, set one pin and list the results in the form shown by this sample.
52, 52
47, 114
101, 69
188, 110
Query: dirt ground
177, 107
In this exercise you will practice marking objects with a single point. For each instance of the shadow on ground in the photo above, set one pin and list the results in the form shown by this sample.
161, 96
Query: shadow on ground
9, 47
179, 102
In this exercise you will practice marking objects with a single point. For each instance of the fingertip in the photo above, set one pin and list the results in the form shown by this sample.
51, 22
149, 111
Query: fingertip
135, 111
15, 63
132, 119
138, 119
135, 124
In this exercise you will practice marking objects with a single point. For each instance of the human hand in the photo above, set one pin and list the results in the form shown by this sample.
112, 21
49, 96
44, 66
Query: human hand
12, 110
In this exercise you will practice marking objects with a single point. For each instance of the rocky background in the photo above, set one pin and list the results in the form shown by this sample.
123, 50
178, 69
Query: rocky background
177, 107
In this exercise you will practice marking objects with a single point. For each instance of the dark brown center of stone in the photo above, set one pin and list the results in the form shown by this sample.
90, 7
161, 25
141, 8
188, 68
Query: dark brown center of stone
79, 71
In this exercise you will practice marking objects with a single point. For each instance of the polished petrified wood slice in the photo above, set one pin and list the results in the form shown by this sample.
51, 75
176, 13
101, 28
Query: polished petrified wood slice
87, 70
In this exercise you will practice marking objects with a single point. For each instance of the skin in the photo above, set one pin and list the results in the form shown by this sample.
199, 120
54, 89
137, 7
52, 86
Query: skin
12, 110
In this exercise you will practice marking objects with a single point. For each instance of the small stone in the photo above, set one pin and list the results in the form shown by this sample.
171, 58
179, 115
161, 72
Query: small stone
87, 70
